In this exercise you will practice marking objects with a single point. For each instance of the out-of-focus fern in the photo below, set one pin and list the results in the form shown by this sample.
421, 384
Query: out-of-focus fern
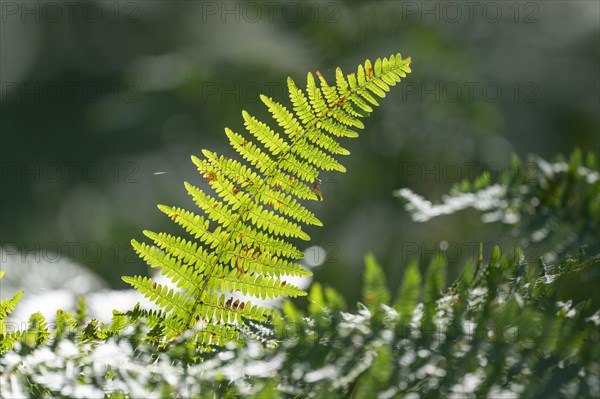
241, 241
8, 335
554, 205
504, 334
485, 338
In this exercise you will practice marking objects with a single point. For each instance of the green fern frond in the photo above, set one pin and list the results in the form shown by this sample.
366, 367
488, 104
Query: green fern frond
8, 340
154, 318
375, 291
8, 305
409, 292
558, 202
242, 239
8, 336
37, 330
65, 323
81, 312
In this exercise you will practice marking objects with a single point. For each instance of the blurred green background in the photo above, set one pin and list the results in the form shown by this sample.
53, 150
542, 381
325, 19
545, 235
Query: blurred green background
97, 97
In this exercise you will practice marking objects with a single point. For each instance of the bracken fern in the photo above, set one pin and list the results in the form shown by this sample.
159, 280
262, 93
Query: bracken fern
242, 237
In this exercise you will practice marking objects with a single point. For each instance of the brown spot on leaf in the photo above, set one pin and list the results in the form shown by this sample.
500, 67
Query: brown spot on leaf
210, 176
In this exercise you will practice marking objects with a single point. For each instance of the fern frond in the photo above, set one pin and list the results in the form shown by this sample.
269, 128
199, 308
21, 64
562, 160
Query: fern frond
37, 330
242, 238
409, 292
558, 201
65, 322
8, 337
375, 291
118, 323
154, 317
8, 305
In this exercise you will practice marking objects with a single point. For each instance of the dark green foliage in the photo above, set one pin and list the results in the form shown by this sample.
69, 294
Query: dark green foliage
555, 206
503, 333
498, 332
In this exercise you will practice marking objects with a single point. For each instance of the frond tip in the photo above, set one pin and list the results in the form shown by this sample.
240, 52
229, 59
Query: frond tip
242, 239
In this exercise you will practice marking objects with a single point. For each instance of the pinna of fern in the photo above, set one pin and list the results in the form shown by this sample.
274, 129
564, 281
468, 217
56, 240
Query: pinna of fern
241, 241
8, 337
